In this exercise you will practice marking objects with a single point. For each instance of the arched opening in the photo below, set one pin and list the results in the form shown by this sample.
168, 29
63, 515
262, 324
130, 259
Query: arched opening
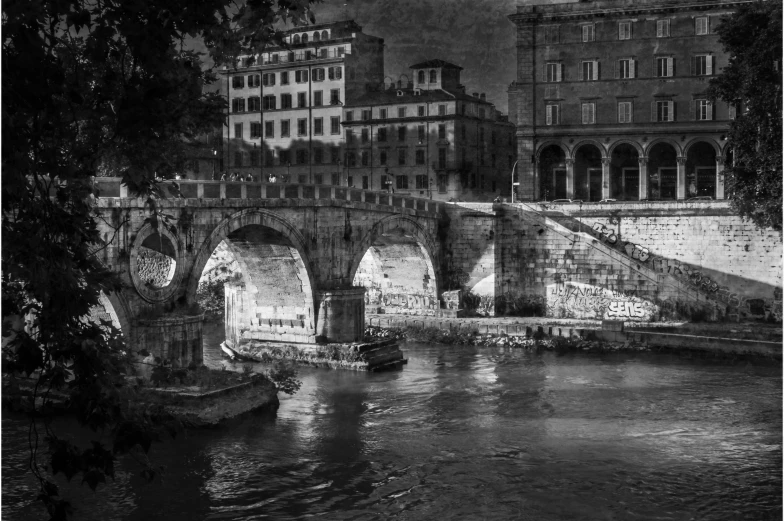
156, 261
552, 173
433, 76
662, 172
421, 77
588, 173
625, 173
106, 312
324, 35
398, 276
316, 36
259, 276
296, 38
305, 38
701, 170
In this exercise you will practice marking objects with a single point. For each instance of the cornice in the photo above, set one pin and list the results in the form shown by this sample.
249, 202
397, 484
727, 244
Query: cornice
552, 14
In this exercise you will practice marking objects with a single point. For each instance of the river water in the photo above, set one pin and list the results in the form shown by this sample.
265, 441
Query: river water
467, 433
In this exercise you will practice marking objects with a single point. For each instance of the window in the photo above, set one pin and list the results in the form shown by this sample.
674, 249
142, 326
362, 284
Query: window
421, 133
701, 25
587, 31
302, 99
335, 73
401, 133
301, 76
702, 65
625, 69
624, 30
463, 131
285, 128
382, 113
552, 72
365, 115
365, 134
268, 79
442, 158
664, 66
401, 156
382, 157
237, 158
551, 91
492, 137
589, 113
284, 156
703, 109
351, 158
318, 155
624, 112
732, 111
551, 34
334, 155
238, 105
421, 110
238, 82
336, 179
401, 112
421, 77
284, 78
269, 129
481, 113
442, 110
663, 111
442, 131
318, 126
318, 98
365, 182
492, 160
317, 179
402, 182
662, 28
302, 157
482, 136
318, 74
254, 154
421, 182
254, 80
334, 97
589, 71
349, 115
365, 158
433, 76
269, 158
285, 101
238, 130
349, 136
419, 156
382, 134
254, 103
255, 130
334, 124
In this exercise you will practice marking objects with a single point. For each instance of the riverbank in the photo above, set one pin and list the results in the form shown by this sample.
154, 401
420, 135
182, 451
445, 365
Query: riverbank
589, 335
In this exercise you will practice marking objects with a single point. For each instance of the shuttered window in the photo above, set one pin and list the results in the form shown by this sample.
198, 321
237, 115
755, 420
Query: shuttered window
552, 72
551, 114
662, 28
625, 69
701, 25
702, 65
662, 111
624, 30
589, 113
588, 32
702, 110
624, 112
664, 66
588, 71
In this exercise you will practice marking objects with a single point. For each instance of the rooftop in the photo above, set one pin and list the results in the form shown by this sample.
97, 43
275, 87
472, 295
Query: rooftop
433, 64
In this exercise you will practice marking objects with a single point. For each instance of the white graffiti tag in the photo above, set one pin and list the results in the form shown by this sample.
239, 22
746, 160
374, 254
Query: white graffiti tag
625, 309
635, 251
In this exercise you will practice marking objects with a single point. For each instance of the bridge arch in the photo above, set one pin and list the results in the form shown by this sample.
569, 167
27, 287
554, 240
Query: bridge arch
395, 262
273, 299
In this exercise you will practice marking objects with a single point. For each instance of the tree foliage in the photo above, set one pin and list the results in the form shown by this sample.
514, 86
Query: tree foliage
752, 82
89, 85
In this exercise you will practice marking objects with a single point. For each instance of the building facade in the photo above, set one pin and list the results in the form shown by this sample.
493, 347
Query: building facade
610, 99
428, 138
285, 105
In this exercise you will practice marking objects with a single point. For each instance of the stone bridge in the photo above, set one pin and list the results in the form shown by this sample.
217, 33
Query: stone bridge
311, 258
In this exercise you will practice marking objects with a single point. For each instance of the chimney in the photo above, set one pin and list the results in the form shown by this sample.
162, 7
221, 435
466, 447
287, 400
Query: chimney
482, 97
475, 94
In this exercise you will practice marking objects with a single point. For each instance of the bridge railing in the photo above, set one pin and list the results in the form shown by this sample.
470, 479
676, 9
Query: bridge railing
205, 189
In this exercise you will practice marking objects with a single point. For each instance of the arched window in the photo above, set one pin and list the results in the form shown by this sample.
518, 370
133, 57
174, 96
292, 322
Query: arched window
305, 38
296, 38
433, 76
324, 35
421, 77
316, 36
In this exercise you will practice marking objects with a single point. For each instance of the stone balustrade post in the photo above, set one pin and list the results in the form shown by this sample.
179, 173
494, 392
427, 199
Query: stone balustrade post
719, 177
569, 179
606, 177
643, 161
681, 179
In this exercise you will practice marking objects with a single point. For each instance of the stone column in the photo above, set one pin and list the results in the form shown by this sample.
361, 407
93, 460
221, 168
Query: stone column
569, 179
535, 183
719, 177
341, 315
681, 179
643, 161
606, 177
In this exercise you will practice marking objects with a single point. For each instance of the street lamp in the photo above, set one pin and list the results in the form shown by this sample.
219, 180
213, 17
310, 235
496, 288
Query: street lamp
214, 158
513, 181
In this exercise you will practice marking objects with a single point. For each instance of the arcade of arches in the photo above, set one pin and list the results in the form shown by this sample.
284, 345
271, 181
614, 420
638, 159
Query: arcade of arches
626, 171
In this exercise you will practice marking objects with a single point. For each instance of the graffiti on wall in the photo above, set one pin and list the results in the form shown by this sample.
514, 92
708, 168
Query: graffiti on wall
577, 300
400, 303
451, 299
607, 233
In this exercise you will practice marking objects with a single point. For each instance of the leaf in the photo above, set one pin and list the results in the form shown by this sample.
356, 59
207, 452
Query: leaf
93, 477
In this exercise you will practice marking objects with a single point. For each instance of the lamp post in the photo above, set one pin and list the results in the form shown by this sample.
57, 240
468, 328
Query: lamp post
513, 181
214, 158
288, 172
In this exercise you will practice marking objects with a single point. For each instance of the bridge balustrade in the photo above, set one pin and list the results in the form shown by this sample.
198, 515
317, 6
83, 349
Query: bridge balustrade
206, 189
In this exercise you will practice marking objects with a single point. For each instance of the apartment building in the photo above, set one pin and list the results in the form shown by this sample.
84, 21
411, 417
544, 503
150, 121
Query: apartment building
610, 99
428, 138
286, 104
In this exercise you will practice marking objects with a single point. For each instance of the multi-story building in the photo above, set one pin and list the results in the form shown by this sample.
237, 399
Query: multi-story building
610, 99
285, 105
428, 138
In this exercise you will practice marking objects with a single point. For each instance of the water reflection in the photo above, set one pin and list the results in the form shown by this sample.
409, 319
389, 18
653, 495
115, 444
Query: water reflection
470, 433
